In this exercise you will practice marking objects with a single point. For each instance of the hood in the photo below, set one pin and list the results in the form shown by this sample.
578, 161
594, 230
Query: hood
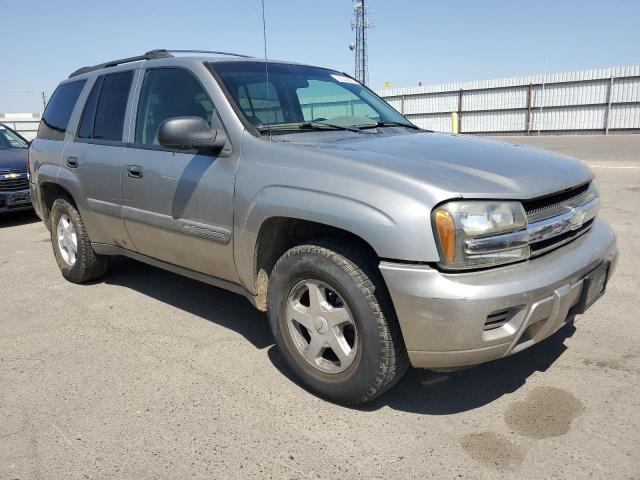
466, 166
13, 159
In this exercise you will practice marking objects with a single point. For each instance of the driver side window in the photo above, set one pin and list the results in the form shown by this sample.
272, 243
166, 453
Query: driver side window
168, 93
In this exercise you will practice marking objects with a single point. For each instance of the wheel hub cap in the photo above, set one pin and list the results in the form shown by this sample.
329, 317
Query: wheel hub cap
67, 240
321, 326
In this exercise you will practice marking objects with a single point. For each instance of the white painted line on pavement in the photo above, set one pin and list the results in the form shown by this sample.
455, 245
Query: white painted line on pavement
612, 166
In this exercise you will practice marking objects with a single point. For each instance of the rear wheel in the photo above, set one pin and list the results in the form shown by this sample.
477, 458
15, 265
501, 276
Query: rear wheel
71, 245
334, 323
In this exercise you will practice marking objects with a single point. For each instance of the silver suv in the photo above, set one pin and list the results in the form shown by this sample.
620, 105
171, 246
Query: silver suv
372, 244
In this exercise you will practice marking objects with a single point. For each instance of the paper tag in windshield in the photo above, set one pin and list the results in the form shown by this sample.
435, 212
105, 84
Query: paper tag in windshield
2, 127
343, 79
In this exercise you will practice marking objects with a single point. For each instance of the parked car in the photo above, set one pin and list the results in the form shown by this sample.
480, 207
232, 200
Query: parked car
371, 243
15, 193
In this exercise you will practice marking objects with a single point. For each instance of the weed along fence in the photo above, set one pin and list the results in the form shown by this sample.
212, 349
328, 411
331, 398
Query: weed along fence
591, 101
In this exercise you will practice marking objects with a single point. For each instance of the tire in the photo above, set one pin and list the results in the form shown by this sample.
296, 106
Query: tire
370, 357
85, 265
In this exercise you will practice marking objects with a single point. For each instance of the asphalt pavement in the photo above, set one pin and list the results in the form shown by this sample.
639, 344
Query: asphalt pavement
146, 374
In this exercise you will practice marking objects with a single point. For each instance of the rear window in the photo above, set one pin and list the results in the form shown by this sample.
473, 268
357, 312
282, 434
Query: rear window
56, 116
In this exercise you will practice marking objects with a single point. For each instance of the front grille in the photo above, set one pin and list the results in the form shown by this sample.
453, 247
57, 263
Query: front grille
544, 246
543, 208
13, 184
551, 205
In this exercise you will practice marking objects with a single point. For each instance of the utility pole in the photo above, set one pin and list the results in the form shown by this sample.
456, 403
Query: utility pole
44, 101
360, 24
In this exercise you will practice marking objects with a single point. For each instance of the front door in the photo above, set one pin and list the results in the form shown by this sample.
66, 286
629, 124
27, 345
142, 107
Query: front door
178, 206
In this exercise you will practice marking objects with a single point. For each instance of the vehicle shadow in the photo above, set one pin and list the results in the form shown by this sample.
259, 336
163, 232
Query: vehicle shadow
432, 393
14, 219
420, 391
213, 304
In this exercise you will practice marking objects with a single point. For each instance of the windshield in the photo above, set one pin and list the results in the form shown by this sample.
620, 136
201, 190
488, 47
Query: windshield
10, 139
300, 96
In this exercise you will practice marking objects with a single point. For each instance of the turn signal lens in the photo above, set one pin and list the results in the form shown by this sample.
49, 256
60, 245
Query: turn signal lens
447, 234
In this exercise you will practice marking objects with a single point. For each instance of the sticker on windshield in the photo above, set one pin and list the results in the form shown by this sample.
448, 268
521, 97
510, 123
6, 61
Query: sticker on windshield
343, 79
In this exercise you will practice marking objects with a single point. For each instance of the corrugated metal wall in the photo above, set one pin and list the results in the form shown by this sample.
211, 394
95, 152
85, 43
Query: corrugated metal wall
26, 124
588, 101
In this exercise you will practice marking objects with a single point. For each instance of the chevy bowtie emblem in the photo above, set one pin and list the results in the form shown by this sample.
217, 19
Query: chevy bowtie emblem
11, 176
577, 219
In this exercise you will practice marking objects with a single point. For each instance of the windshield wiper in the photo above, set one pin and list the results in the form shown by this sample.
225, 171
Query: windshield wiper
306, 126
329, 125
387, 123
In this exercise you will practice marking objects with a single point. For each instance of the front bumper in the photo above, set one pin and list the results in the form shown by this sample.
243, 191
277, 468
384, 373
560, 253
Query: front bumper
443, 316
11, 201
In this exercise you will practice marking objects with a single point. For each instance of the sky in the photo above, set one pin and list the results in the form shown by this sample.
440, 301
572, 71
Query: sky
413, 40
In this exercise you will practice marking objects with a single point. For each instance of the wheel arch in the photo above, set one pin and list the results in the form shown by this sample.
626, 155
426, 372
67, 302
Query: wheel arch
342, 215
277, 234
49, 191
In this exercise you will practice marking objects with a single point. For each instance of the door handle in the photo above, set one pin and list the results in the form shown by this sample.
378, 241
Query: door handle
72, 162
135, 171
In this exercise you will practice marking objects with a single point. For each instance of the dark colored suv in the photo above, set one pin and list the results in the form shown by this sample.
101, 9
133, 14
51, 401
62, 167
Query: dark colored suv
14, 181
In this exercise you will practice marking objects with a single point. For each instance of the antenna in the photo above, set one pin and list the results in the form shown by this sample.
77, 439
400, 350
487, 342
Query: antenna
266, 62
360, 24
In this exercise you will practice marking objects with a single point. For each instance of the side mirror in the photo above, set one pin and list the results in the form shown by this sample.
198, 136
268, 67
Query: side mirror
190, 133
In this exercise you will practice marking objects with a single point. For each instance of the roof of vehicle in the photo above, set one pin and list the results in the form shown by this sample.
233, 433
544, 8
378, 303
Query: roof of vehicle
201, 55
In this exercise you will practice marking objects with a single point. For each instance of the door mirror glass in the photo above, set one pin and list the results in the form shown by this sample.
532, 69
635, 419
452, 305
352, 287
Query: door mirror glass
190, 133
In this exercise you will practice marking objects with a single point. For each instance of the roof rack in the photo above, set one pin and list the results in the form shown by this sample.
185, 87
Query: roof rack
151, 55
147, 56
212, 52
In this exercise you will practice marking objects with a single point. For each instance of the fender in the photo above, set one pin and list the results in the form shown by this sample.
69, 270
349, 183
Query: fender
378, 228
71, 183
44, 174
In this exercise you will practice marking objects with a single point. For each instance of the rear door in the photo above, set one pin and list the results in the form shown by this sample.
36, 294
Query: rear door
45, 152
96, 156
177, 205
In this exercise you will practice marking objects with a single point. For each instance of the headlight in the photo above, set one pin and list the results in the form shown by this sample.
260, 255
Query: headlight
458, 221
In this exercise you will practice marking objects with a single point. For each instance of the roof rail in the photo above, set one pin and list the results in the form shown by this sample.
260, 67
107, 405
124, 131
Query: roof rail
147, 56
212, 52
153, 54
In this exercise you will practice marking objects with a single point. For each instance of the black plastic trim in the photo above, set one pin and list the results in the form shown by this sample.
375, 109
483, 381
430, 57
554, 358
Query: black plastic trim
151, 55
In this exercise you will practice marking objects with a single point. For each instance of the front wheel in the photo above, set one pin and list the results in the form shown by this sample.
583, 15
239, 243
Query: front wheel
334, 323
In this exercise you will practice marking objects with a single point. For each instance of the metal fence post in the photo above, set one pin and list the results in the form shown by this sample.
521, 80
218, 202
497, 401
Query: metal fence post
460, 111
528, 126
608, 116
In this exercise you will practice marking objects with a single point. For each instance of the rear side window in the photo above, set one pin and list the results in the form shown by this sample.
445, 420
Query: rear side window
112, 105
58, 112
168, 93
89, 113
